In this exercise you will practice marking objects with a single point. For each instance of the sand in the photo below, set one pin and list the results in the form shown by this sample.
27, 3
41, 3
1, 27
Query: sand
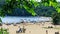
30, 28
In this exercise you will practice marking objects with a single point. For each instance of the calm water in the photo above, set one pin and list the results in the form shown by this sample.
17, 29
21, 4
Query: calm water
10, 19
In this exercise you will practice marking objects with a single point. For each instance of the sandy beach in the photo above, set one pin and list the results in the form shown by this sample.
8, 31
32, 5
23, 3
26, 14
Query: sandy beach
31, 28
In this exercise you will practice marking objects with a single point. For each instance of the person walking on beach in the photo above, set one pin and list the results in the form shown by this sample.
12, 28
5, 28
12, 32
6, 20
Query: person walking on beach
46, 31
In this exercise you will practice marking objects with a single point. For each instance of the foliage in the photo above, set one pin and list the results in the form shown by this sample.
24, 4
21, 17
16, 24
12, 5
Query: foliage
45, 11
3, 31
27, 5
56, 5
0, 20
56, 19
52, 3
10, 5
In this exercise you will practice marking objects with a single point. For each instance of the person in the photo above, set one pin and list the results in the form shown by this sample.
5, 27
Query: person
23, 29
46, 31
19, 31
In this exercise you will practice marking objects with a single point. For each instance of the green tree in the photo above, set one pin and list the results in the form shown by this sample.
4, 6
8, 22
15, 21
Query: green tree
54, 4
11, 4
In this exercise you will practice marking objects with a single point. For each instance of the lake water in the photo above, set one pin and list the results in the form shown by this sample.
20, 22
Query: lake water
10, 19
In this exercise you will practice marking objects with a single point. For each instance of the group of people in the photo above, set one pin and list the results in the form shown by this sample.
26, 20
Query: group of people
21, 30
